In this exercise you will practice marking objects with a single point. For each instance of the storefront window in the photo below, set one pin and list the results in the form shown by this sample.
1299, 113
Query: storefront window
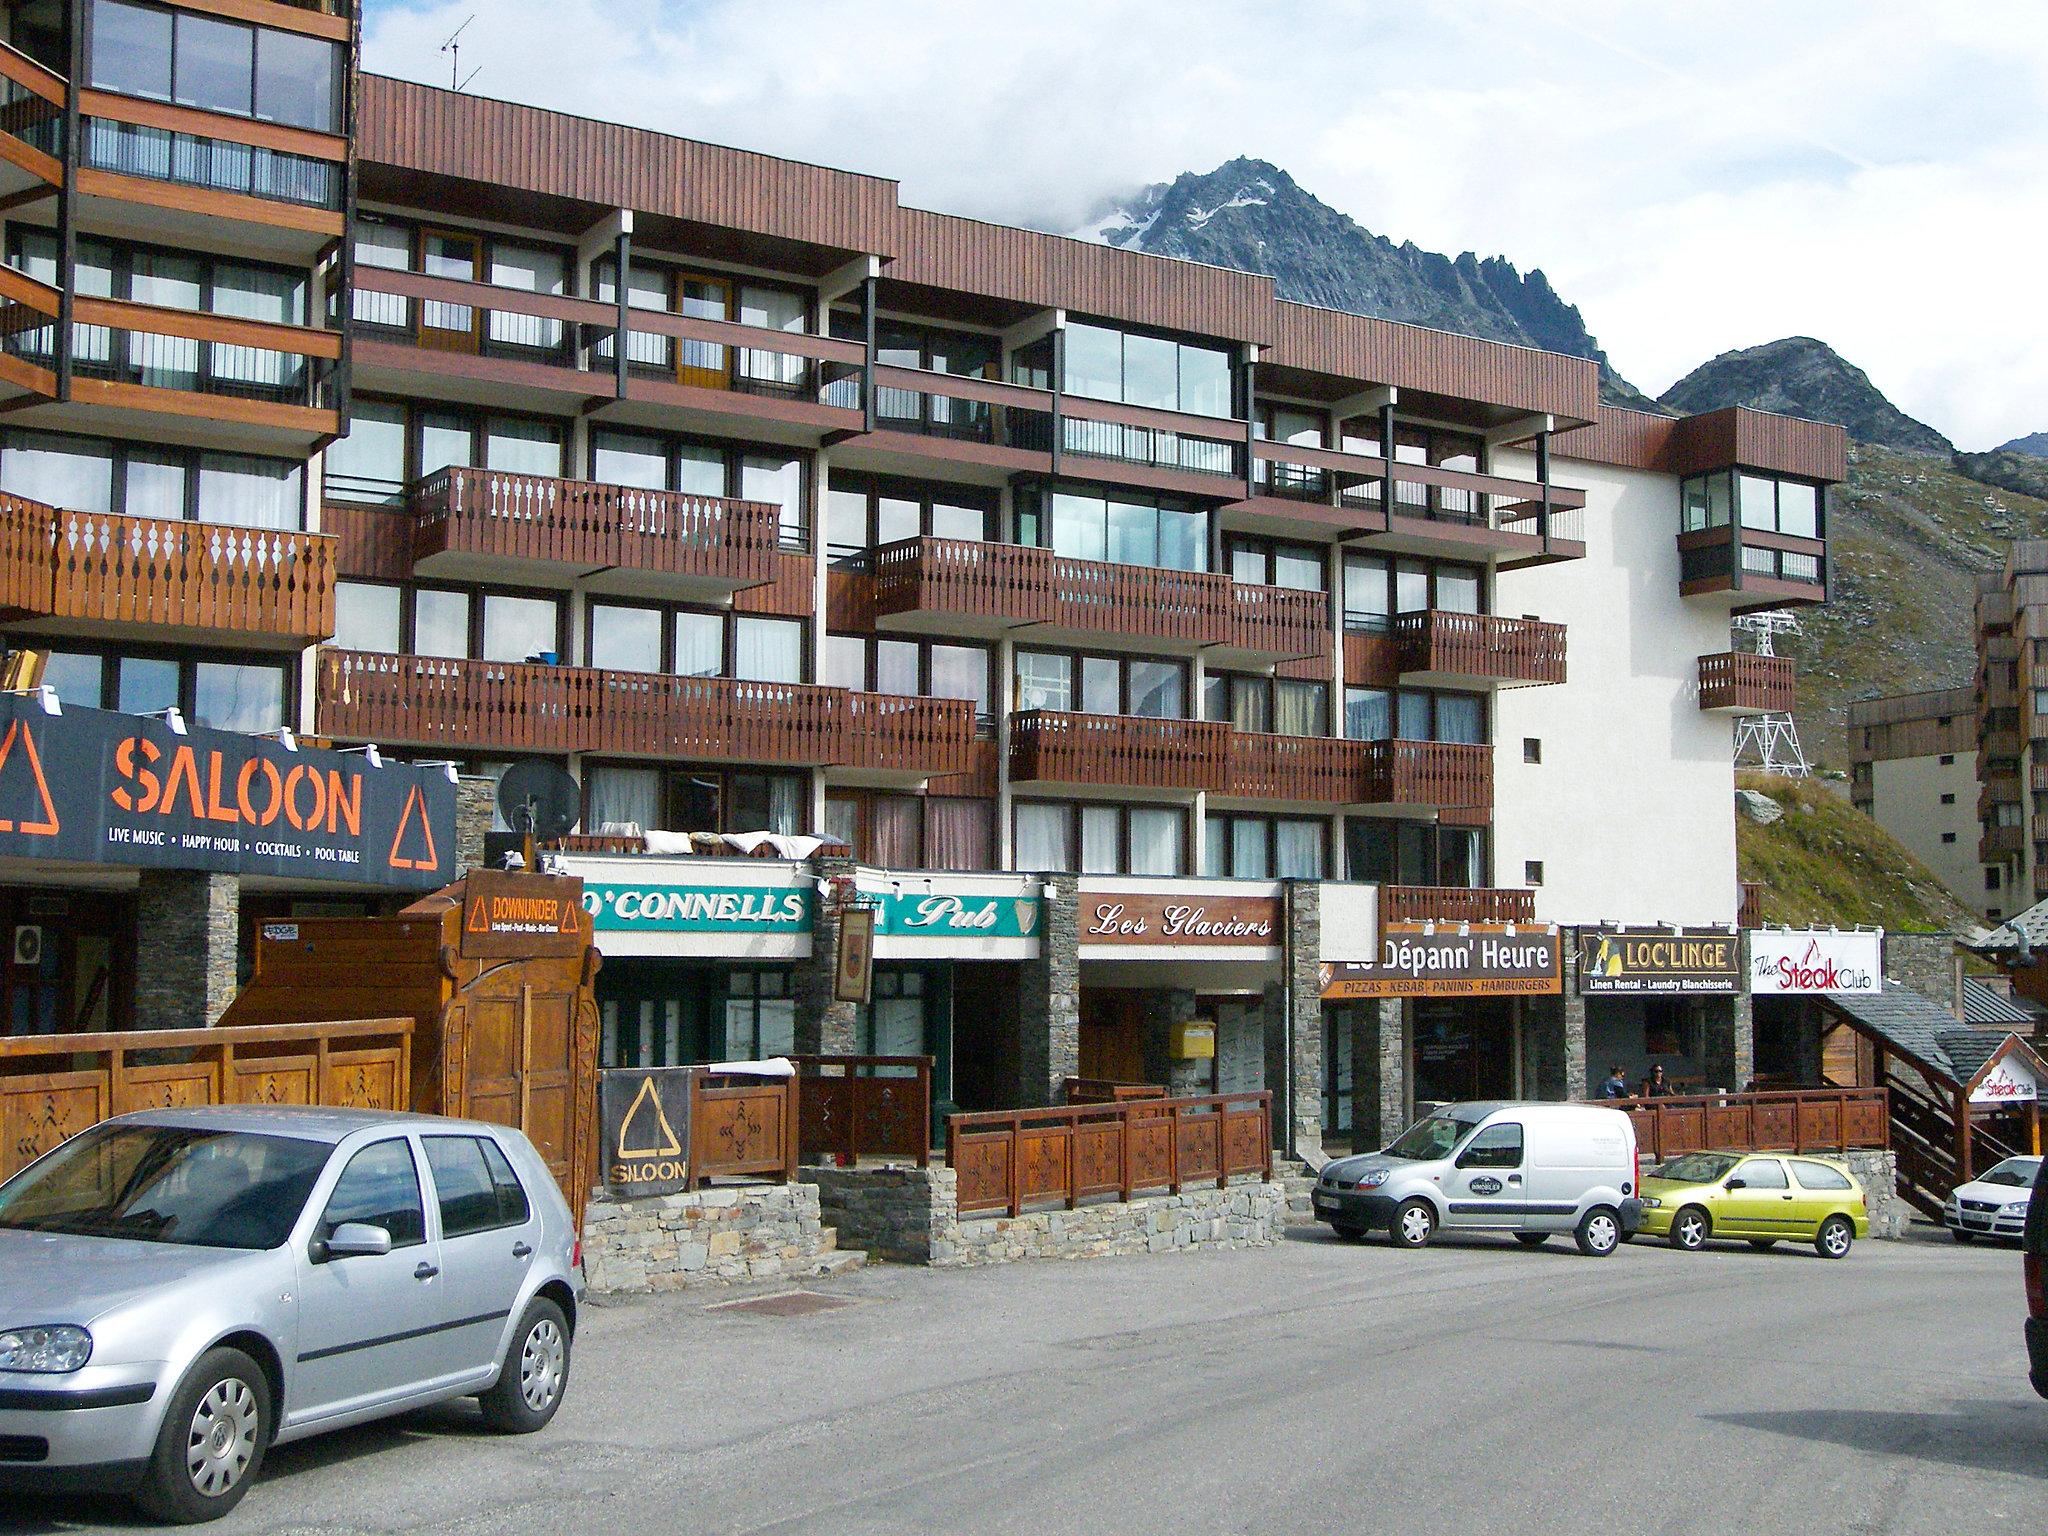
760, 1015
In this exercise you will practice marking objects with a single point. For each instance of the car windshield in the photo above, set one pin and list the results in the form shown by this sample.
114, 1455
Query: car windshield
1430, 1140
2016, 1171
167, 1184
1695, 1168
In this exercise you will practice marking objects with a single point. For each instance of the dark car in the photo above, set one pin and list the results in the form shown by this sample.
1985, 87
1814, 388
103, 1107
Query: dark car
2035, 1244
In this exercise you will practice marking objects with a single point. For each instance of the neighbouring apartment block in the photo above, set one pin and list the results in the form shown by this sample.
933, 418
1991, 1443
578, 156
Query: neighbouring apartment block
2011, 698
1913, 760
1198, 687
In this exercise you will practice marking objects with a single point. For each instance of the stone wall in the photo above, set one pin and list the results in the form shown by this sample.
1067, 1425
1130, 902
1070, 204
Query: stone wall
910, 1216
715, 1236
1878, 1173
1925, 963
187, 926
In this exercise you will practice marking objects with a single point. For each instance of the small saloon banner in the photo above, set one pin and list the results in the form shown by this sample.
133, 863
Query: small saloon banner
1785, 961
95, 787
1478, 962
644, 1116
1696, 962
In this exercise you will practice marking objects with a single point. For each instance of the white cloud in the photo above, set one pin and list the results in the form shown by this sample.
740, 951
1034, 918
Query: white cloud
1694, 177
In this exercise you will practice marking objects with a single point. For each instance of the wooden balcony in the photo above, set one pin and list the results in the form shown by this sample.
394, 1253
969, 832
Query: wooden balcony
464, 707
486, 525
1742, 684
1995, 844
104, 573
1128, 751
32, 105
1748, 568
1749, 910
1325, 769
989, 588
1443, 774
1478, 649
1455, 904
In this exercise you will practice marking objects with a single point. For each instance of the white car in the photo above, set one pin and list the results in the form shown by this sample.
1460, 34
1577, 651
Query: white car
1994, 1204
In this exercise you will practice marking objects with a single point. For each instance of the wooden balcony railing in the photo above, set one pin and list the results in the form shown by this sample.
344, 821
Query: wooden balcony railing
1019, 584
2001, 842
581, 523
468, 706
1053, 746
1325, 769
156, 571
1749, 909
32, 102
1481, 645
1746, 684
1346, 486
1445, 774
1455, 904
1007, 1160
1799, 1120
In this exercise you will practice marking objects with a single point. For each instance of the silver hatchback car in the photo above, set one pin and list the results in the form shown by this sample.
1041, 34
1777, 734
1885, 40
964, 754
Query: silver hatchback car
182, 1289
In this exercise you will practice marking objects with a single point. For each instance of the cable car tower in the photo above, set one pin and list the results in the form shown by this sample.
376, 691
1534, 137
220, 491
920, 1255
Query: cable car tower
1769, 743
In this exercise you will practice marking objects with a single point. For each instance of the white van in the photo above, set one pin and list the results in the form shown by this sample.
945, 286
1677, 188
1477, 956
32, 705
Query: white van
1532, 1170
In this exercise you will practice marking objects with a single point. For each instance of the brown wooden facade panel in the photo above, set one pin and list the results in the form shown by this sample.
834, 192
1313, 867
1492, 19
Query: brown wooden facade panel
372, 542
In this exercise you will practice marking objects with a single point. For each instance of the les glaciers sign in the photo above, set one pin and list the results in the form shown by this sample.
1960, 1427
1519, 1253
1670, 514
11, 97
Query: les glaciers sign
1786, 962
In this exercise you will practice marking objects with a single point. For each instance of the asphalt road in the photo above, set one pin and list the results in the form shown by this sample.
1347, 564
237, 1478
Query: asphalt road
1314, 1386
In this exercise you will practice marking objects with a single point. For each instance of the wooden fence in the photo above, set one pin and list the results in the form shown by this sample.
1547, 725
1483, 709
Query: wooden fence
54, 1086
849, 1107
1797, 1120
1008, 1159
742, 1125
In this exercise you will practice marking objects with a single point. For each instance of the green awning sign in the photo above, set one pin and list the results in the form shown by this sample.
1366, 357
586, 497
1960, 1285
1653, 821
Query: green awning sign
633, 908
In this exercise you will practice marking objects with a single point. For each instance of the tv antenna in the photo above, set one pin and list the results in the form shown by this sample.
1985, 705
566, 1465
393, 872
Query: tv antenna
1769, 742
453, 48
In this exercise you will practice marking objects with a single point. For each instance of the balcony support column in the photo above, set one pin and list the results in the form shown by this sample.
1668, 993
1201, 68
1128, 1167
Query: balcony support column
1379, 1071
867, 366
1294, 1026
67, 197
1049, 1002
622, 341
1554, 1035
824, 1025
187, 924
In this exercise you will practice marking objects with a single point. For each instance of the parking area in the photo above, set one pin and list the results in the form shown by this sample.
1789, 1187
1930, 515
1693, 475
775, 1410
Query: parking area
1312, 1386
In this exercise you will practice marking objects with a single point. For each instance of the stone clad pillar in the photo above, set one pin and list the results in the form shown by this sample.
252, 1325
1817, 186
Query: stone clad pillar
476, 802
824, 1026
1379, 1070
1554, 1031
1049, 1000
1164, 1009
1294, 1027
187, 928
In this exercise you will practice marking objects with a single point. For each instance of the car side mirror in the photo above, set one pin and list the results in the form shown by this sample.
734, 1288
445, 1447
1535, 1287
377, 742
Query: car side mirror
351, 1240
1738, 1184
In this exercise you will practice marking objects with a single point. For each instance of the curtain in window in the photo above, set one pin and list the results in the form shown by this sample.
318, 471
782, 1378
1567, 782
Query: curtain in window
622, 797
957, 833
1156, 838
1368, 714
1299, 707
775, 310
768, 650
1044, 836
1099, 839
1250, 705
249, 492
893, 825
530, 271
1300, 849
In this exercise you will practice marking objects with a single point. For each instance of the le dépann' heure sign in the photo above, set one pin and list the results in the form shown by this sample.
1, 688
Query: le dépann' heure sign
1474, 962
1691, 961
96, 787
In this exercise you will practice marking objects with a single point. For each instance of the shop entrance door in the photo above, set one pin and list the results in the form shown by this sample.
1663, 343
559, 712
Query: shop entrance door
61, 969
1464, 1049
1112, 1035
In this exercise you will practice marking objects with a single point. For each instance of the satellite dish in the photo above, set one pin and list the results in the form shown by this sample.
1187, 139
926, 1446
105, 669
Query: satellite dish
539, 799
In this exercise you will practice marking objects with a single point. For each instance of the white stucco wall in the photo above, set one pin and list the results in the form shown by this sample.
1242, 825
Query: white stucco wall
1631, 810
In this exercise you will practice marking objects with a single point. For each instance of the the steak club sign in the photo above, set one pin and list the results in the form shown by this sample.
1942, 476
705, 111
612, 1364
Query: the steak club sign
1704, 961
1142, 918
95, 787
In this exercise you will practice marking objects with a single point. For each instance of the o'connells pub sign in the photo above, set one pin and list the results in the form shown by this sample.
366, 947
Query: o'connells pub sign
965, 915
95, 787
1481, 962
1694, 962
617, 907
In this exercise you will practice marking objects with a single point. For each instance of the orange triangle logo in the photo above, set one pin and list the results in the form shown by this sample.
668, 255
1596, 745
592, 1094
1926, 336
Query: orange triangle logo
47, 827
430, 859
479, 919
571, 918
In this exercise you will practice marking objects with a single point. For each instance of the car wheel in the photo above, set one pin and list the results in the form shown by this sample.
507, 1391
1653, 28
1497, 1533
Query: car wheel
1690, 1228
1764, 1244
211, 1444
1960, 1235
1345, 1230
1414, 1224
534, 1373
1532, 1239
1598, 1233
1834, 1238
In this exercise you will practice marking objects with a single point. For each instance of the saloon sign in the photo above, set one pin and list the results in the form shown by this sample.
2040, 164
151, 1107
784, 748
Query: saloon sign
1659, 960
96, 787
1491, 962
1786, 961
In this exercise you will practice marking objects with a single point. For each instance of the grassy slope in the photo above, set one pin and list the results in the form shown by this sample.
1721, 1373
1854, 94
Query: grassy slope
1907, 540
1826, 862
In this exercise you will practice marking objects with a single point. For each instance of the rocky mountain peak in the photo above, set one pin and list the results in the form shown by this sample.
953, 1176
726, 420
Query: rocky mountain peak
1800, 376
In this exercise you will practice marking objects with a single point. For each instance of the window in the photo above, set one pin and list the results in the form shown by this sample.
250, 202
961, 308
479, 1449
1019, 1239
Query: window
238, 696
295, 79
862, 512
216, 65
930, 669
1105, 364
1992, 877
1819, 1175
380, 1187
1532, 749
1128, 528
1498, 1146
1156, 837
131, 50
1947, 760
1263, 847
1109, 839
474, 1185
1948, 799
1705, 502
760, 1015
768, 650
1044, 836
626, 639
1764, 503
1272, 563
1368, 714
1948, 837
1413, 714
1107, 685
1532, 871
1376, 587
1414, 853
84, 474
650, 462
520, 628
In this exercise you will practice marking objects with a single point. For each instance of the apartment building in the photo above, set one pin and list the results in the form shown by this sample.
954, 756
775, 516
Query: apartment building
1197, 687
2012, 724
1914, 771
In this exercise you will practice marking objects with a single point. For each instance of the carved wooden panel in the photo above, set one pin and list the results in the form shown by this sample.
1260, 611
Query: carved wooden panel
38, 1112
1151, 1153
1244, 1143
1098, 1157
364, 1080
169, 1087
1774, 1125
982, 1167
738, 1130
1044, 1156
275, 1080
1201, 1147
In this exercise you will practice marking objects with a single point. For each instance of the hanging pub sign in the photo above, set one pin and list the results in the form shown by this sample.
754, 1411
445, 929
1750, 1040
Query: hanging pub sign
644, 1121
1787, 961
1475, 962
95, 787
853, 973
1692, 961
2008, 1077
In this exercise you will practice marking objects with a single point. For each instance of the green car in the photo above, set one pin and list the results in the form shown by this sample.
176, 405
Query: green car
1761, 1198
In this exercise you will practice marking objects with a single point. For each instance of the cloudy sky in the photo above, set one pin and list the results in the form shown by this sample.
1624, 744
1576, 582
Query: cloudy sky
1696, 177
